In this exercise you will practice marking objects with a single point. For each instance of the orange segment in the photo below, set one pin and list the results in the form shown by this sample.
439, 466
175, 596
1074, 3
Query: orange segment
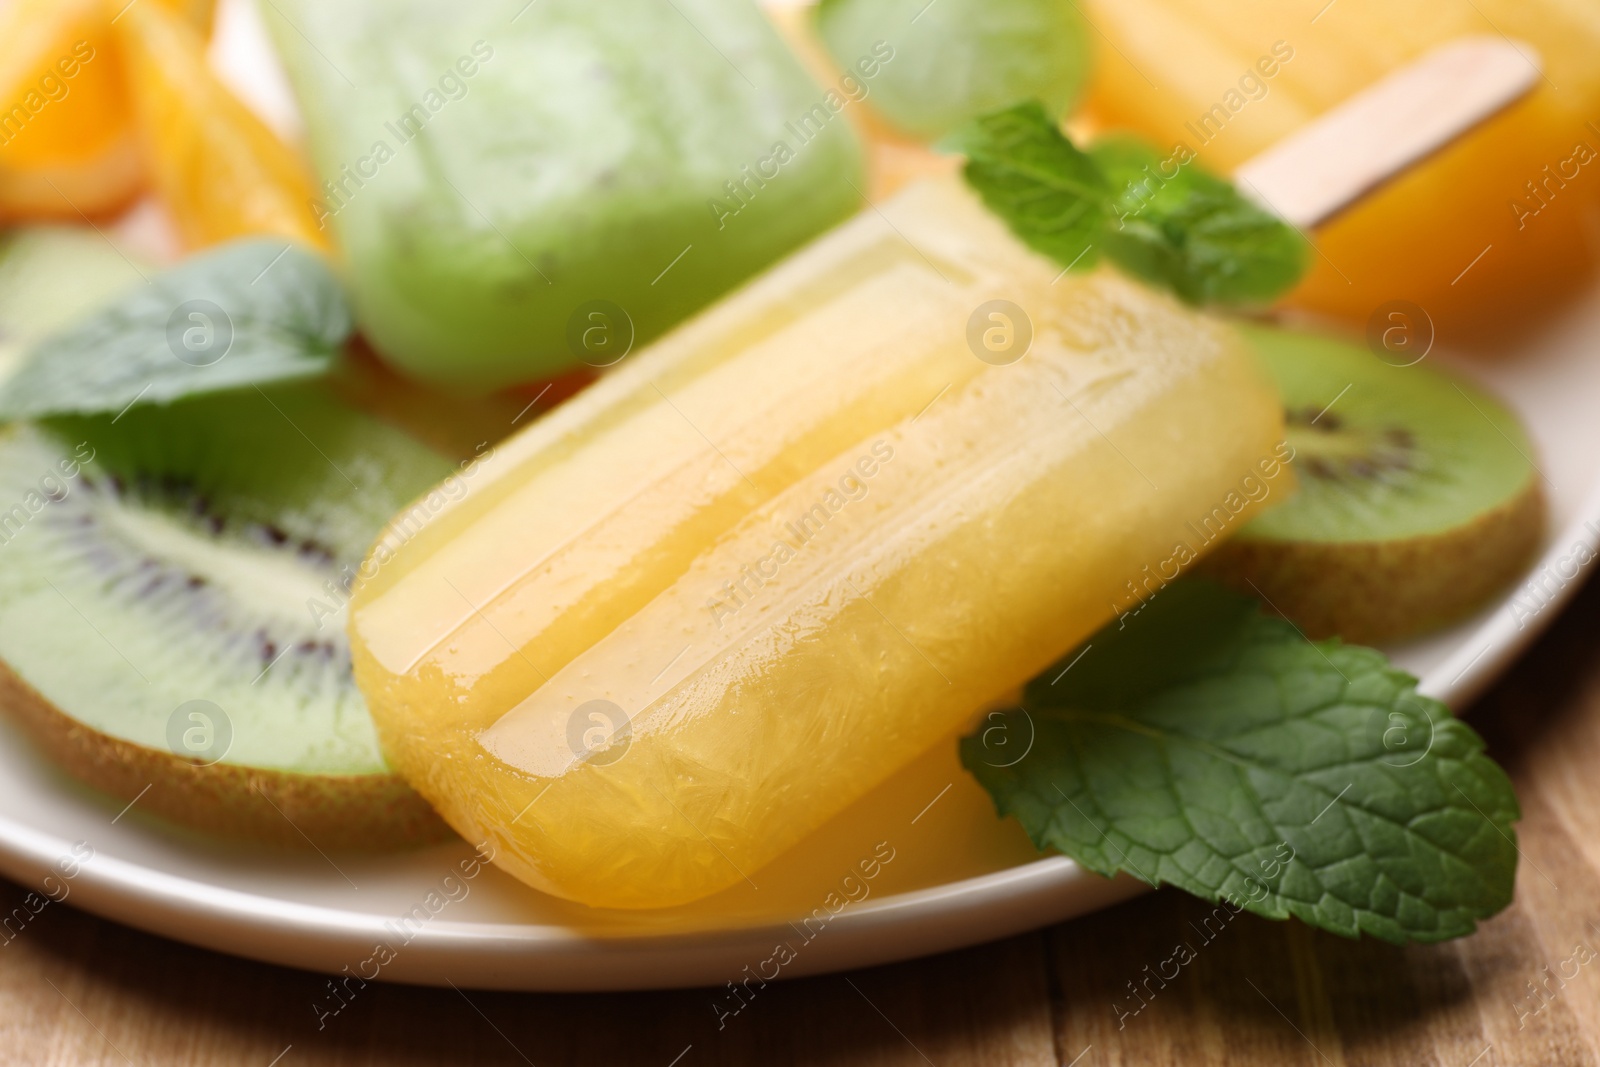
218, 169
1230, 77
66, 140
67, 143
197, 13
1514, 228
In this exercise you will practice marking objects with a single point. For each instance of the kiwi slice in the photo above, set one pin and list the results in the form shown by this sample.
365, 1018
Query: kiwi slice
172, 609
1416, 498
50, 275
172, 586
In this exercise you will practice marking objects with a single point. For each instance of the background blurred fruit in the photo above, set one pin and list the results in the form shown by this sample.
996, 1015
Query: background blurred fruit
894, 158
198, 13
217, 167
518, 194
935, 66
49, 276
1505, 220
67, 144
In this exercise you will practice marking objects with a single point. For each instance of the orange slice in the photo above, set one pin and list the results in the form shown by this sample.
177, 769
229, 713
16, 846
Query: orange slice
218, 169
67, 146
1482, 235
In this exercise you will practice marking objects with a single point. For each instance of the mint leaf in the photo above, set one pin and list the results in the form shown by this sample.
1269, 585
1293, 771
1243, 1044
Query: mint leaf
251, 312
1177, 226
1054, 198
1208, 746
1161, 219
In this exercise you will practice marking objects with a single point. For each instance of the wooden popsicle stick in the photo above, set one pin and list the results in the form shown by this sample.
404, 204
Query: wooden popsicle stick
1325, 166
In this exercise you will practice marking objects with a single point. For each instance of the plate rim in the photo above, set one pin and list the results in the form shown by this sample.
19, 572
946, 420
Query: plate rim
498, 955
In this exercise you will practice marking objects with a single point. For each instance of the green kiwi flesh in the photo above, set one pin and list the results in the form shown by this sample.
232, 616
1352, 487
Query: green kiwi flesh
202, 553
1417, 499
197, 558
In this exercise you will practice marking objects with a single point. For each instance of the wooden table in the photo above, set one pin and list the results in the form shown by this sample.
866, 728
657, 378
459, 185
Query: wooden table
1525, 990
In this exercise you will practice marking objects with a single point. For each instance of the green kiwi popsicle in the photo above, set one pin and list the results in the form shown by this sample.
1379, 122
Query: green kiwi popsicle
520, 187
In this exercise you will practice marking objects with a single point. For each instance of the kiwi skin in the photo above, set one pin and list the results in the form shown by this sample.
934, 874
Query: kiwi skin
369, 812
1375, 592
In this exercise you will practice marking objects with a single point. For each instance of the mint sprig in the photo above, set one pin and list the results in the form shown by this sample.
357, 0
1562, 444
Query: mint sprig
1180, 227
1054, 197
252, 312
1160, 218
1208, 746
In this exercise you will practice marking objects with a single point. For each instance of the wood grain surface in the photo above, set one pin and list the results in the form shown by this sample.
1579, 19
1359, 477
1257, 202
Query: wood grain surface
1525, 990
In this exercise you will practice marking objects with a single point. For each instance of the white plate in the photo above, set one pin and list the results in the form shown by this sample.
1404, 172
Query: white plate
957, 875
